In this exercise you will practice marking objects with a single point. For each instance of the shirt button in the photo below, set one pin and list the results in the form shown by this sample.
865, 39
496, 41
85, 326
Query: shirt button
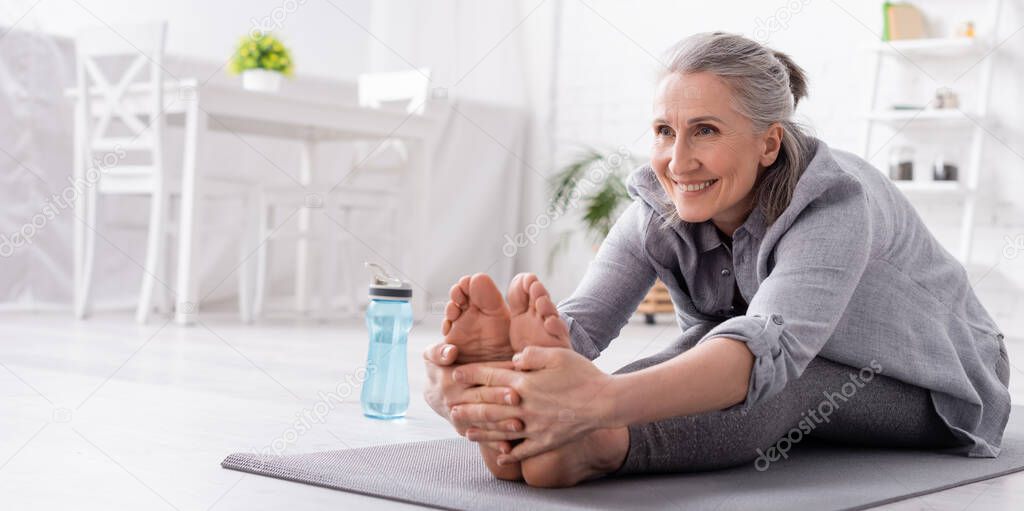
777, 319
726, 272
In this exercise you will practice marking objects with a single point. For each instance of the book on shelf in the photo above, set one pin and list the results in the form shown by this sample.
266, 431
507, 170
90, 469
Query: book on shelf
902, 21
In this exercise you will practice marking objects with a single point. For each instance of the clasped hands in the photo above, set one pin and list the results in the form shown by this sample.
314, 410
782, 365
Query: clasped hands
546, 397
506, 375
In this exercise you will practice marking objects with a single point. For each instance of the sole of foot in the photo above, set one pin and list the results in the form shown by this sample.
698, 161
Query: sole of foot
535, 320
476, 319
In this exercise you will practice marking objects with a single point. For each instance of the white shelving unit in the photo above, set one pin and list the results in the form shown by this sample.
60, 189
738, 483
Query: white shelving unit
932, 47
957, 49
932, 187
901, 117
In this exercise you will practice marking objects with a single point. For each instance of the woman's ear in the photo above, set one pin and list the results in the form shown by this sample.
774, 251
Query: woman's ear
771, 144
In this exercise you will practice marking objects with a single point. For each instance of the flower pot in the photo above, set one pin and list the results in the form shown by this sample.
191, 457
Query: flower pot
261, 80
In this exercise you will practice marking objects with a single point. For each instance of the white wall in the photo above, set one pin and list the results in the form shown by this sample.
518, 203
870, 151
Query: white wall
325, 37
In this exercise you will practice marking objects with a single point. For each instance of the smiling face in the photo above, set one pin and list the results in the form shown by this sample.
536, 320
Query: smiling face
707, 156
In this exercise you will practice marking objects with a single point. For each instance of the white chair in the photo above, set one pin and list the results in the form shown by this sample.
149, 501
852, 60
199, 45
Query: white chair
397, 90
370, 187
122, 104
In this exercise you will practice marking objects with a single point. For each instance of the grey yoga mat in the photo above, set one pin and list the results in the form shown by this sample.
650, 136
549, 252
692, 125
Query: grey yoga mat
449, 474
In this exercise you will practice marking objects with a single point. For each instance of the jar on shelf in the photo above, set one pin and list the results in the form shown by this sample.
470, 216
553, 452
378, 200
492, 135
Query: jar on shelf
946, 98
901, 163
944, 169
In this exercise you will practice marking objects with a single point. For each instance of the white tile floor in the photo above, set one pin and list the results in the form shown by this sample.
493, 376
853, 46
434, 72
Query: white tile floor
106, 414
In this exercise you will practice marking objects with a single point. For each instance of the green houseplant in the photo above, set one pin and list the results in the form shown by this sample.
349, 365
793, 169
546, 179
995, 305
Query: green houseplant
262, 59
598, 180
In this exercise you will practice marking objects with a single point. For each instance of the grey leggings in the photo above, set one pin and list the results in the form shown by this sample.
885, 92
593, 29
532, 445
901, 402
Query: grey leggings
830, 401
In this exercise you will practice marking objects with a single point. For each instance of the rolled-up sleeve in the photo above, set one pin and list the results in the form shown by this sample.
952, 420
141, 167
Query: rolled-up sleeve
819, 263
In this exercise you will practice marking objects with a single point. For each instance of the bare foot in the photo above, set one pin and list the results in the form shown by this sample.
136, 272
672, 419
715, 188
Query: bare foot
597, 454
477, 320
535, 320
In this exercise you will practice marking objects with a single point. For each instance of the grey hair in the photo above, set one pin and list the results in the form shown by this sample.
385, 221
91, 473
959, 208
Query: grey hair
766, 85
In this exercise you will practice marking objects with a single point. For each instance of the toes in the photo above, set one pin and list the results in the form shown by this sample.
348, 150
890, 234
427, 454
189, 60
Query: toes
556, 327
452, 311
529, 280
485, 294
518, 298
459, 293
459, 300
537, 291
544, 305
553, 323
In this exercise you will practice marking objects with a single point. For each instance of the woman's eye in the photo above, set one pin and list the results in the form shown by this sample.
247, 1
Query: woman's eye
664, 131
704, 131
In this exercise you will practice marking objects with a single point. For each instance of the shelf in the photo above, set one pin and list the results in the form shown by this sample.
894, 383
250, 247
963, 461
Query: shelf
950, 115
951, 187
931, 125
932, 47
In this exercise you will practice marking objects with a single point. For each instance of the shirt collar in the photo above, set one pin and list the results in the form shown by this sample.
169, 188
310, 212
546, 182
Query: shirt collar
705, 234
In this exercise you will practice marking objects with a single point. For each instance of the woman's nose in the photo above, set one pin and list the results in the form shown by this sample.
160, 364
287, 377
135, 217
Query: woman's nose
682, 160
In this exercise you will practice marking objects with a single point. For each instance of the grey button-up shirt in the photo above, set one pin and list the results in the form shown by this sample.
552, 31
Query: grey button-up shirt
848, 272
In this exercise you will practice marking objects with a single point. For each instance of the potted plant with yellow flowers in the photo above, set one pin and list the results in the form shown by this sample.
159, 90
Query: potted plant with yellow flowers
262, 60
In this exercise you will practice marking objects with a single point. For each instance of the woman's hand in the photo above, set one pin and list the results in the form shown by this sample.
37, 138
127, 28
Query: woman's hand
563, 397
443, 392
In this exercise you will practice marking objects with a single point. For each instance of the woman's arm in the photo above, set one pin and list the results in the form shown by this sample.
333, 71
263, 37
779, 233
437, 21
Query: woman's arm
820, 259
565, 396
614, 284
739, 363
712, 376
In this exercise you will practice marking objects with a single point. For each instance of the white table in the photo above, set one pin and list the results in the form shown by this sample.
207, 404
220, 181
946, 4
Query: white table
308, 121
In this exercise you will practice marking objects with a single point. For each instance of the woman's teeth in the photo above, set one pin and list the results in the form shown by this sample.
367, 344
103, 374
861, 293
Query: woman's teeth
698, 187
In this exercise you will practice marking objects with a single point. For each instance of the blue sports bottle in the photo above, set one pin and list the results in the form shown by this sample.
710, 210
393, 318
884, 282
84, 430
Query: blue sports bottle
385, 393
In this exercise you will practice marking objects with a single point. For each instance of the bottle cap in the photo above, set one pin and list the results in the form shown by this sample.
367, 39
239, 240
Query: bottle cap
384, 286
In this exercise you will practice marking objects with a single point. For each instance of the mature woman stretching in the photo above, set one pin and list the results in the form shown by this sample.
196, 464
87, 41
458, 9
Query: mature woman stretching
811, 300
